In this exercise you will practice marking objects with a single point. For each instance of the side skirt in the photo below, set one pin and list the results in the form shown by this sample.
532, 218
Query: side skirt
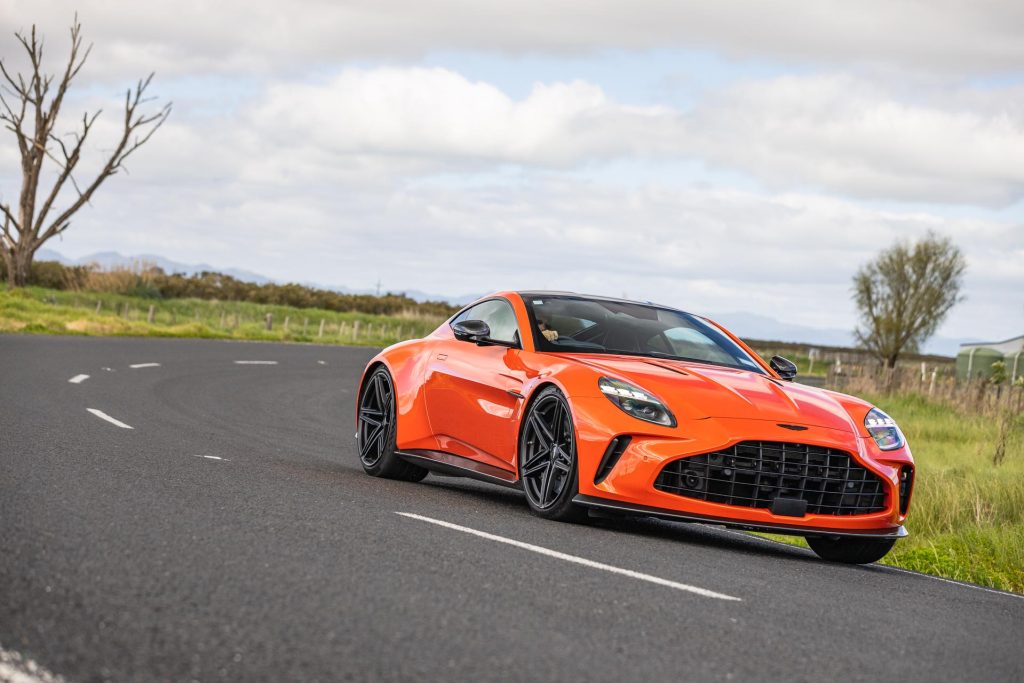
458, 466
645, 511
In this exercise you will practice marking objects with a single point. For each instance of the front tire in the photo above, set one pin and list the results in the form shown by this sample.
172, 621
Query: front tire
851, 550
547, 458
378, 429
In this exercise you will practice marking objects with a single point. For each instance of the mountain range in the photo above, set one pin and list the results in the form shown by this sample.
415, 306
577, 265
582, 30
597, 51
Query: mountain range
743, 323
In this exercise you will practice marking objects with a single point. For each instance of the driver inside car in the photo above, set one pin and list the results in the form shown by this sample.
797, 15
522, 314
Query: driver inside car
549, 334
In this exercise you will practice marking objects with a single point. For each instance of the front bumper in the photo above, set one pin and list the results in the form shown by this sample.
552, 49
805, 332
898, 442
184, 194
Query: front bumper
629, 486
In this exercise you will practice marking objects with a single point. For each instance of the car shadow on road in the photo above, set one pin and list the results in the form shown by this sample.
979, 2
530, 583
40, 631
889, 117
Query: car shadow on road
704, 535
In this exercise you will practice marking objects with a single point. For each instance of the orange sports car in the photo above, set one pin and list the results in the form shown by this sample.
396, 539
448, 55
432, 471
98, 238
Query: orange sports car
596, 406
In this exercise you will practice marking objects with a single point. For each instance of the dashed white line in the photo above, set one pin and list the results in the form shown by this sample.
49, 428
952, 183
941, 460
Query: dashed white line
211, 457
103, 416
255, 362
144, 365
574, 559
78, 379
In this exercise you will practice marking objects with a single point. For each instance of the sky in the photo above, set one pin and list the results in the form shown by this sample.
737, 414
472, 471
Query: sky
716, 156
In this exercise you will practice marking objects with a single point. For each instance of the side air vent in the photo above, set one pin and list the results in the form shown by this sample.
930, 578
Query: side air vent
616, 447
906, 486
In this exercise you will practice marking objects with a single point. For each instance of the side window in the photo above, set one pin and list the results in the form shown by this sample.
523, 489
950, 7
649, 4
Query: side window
498, 315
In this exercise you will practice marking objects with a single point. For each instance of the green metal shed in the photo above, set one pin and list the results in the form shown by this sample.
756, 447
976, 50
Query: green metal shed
975, 360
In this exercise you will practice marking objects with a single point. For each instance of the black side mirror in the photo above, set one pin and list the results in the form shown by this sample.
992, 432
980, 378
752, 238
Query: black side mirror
784, 367
471, 330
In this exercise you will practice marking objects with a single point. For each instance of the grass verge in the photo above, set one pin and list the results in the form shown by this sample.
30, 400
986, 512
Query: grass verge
49, 311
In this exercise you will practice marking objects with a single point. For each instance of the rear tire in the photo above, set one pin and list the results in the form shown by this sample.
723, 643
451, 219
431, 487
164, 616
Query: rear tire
851, 550
547, 459
378, 429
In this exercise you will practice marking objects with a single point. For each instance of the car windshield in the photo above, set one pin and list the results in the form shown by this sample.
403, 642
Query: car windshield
567, 324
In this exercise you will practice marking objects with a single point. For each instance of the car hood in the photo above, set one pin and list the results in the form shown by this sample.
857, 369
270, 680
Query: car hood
700, 391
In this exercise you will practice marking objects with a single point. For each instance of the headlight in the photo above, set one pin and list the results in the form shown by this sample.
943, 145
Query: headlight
636, 402
883, 430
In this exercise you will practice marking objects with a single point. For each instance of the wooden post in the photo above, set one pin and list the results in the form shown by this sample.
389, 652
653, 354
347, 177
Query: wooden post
223, 317
355, 331
99, 305
270, 321
931, 385
341, 329
287, 319
305, 324
151, 315
321, 328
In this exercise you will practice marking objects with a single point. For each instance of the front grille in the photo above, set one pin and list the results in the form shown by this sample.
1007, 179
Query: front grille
754, 473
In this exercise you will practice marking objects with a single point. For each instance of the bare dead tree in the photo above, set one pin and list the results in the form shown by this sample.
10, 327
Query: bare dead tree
29, 107
905, 293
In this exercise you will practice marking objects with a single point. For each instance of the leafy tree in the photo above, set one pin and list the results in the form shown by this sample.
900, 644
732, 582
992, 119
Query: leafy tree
30, 104
905, 293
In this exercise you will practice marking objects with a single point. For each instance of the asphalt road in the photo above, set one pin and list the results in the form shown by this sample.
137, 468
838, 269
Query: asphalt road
132, 555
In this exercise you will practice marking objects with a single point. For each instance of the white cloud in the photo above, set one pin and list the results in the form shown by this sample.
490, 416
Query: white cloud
835, 133
256, 36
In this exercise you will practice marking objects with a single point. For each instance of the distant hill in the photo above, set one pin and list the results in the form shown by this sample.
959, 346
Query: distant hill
743, 323
109, 259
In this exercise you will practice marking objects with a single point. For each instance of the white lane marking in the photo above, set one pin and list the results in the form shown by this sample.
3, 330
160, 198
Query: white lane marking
78, 379
901, 570
574, 559
15, 668
322, 362
144, 365
211, 457
255, 362
103, 416
109, 369
886, 567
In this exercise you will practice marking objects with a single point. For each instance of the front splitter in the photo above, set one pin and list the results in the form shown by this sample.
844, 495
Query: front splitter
766, 527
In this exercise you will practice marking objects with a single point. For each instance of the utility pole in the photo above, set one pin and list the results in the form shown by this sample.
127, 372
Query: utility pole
378, 287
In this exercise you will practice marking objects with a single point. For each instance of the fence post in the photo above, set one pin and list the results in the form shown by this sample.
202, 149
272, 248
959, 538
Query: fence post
270, 321
305, 324
321, 328
151, 314
355, 330
287, 319
931, 385
99, 305
223, 318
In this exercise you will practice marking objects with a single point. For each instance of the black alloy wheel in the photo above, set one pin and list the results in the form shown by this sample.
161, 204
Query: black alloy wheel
378, 427
547, 458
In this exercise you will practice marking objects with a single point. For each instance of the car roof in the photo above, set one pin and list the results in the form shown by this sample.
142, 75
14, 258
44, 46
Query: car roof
540, 294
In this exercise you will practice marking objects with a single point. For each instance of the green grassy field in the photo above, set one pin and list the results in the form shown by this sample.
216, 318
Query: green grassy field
967, 514
966, 517
37, 310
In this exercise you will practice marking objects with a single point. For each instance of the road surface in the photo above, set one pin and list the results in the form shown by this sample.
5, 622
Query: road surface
195, 510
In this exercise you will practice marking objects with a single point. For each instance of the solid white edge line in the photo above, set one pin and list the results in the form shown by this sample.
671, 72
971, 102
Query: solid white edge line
574, 559
144, 365
16, 668
255, 362
889, 567
103, 416
78, 379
